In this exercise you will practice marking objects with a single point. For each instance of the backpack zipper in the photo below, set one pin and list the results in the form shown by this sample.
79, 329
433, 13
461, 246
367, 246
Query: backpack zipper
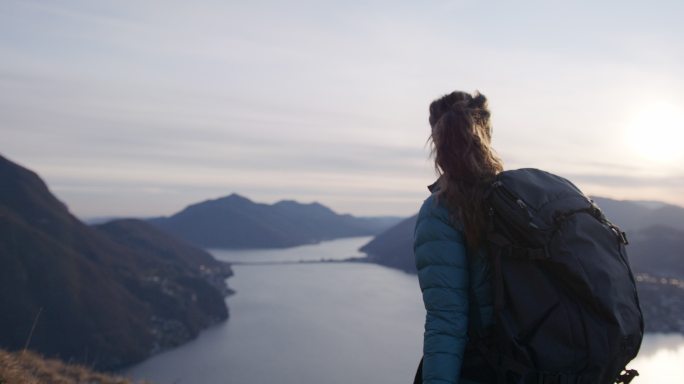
518, 207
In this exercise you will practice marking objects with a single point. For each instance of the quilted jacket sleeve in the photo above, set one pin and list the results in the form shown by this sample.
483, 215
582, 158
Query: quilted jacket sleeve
443, 276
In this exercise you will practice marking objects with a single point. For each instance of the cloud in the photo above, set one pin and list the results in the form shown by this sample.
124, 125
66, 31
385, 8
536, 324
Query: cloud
625, 181
322, 100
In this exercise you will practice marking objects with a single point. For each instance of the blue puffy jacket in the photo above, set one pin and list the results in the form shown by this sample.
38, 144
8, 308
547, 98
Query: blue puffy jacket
455, 282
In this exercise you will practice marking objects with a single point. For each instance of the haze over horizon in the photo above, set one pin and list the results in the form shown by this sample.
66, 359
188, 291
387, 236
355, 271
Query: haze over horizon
141, 108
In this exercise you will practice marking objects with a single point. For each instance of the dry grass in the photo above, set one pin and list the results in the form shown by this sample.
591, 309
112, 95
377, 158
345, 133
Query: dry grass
30, 368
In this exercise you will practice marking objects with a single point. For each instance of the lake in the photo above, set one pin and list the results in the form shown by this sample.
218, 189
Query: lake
339, 249
329, 323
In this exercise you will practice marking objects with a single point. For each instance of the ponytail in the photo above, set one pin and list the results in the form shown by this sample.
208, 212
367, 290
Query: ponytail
464, 159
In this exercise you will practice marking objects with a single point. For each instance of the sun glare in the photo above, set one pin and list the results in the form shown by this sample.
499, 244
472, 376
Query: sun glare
656, 134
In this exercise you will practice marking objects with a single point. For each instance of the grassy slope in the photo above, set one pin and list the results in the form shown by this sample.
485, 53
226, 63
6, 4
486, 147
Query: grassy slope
30, 368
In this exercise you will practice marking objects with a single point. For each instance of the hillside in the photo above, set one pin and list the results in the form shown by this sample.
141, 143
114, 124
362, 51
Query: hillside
105, 296
237, 222
658, 251
27, 367
162, 249
394, 247
633, 216
656, 254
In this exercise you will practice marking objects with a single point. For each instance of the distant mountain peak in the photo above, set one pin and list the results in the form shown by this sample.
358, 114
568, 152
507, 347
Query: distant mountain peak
310, 207
234, 221
230, 200
650, 204
287, 202
233, 197
291, 202
25, 193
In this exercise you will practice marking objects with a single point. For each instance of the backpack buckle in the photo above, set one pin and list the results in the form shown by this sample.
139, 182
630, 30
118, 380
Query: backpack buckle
627, 376
622, 236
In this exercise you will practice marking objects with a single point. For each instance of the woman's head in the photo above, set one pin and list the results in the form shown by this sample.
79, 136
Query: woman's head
461, 137
461, 145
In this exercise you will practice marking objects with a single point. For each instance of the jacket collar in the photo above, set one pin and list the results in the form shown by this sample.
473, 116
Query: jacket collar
434, 186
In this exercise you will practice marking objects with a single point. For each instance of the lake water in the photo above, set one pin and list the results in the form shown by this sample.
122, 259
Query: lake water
331, 250
329, 323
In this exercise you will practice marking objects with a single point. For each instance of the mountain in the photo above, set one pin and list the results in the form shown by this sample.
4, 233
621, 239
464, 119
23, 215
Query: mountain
656, 254
394, 247
633, 216
162, 249
658, 251
107, 296
237, 222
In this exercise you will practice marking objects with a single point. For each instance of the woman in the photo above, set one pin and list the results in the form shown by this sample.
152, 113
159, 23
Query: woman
452, 268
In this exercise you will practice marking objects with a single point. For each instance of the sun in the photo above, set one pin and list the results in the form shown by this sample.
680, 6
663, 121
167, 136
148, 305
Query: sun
656, 134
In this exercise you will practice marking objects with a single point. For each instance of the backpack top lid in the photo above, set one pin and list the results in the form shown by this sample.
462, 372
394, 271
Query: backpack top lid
531, 179
536, 200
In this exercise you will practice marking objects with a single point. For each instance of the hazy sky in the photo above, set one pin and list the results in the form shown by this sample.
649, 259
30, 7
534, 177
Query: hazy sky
142, 107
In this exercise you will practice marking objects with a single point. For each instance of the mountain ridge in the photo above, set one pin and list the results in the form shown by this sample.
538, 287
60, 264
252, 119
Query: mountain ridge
236, 222
634, 215
106, 296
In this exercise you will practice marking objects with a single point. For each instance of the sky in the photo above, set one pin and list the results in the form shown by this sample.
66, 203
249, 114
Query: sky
139, 108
